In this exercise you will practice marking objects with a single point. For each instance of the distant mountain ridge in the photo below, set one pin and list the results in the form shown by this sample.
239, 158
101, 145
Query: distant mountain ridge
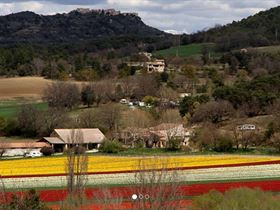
260, 29
77, 25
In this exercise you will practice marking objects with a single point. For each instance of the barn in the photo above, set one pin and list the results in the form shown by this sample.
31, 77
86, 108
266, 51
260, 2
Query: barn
62, 139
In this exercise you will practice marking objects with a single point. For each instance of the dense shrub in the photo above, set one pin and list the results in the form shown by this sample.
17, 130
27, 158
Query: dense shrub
174, 144
110, 146
209, 138
189, 103
30, 200
214, 111
224, 144
241, 198
47, 151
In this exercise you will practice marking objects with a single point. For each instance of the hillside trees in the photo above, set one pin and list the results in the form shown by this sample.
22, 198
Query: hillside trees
254, 96
214, 111
147, 85
88, 96
31, 122
189, 104
28, 120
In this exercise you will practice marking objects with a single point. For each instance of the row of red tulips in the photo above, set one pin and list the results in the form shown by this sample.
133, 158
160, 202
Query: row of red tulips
183, 190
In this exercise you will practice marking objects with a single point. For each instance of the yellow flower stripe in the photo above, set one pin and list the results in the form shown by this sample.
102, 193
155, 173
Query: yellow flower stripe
56, 165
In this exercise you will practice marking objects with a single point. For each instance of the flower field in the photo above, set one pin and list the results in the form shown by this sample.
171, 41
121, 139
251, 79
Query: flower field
109, 164
197, 175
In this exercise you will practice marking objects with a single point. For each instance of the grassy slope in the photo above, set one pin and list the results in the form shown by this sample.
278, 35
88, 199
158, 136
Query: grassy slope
184, 50
267, 49
9, 108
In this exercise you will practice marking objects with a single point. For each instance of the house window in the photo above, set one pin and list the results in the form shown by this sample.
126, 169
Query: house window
92, 146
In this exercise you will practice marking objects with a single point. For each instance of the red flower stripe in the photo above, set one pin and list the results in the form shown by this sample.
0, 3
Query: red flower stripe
185, 190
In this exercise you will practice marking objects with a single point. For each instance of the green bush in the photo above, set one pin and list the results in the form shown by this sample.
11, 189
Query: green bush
224, 144
111, 146
241, 198
174, 144
139, 143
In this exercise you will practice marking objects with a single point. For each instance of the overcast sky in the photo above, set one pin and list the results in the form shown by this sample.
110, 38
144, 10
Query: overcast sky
169, 15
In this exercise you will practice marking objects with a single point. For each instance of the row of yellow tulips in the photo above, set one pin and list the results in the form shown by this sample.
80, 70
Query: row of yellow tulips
57, 165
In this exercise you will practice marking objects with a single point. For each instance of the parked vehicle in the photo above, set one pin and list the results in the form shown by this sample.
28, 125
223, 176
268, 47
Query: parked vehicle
123, 101
34, 154
141, 104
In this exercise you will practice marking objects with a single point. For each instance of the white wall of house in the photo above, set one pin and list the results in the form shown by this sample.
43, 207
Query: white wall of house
17, 152
156, 66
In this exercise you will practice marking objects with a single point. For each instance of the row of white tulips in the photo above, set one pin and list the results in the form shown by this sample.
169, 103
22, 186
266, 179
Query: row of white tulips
193, 175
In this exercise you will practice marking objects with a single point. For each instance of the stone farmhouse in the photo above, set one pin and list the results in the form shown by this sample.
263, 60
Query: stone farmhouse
155, 66
154, 137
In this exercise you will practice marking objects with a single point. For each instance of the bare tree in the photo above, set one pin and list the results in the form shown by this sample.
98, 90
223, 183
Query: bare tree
206, 137
247, 138
100, 92
88, 119
76, 167
128, 86
3, 148
136, 118
147, 85
62, 95
171, 116
275, 141
109, 200
167, 93
157, 186
109, 116
51, 119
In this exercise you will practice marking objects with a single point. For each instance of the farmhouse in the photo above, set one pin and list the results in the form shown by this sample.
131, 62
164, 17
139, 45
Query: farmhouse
20, 148
62, 139
155, 66
246, 127
156, 137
